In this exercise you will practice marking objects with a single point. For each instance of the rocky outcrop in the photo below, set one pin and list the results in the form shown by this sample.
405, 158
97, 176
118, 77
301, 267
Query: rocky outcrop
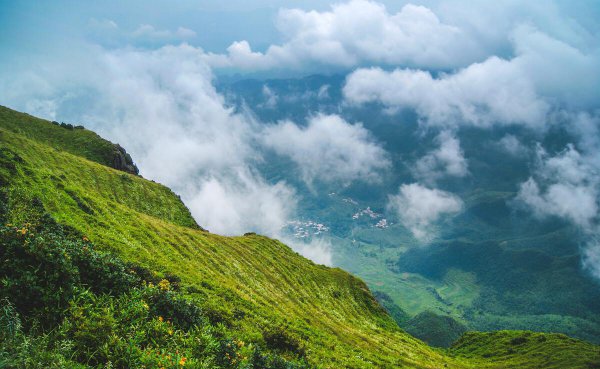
122, 160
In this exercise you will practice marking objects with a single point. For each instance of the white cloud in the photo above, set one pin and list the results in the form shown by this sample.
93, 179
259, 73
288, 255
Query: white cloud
185, 33
242, 202
147, 32
565, 186
480, 95
419, 207
108, 32
560, 72
447, 160
586, 128
166, 96
162, 106
512, 145
492, 22
446, 35
323, 92
328, 149
270, 97
357, 32
318, 250
576, 203
591, 256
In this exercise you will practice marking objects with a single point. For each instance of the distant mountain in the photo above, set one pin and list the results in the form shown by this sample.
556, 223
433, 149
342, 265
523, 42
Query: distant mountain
493, 266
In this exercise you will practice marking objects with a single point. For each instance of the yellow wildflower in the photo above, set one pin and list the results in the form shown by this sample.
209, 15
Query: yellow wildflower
160, 319
164, 285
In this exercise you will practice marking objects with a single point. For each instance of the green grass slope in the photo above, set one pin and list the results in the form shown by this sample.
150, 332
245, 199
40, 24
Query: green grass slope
80, 142
520, 349
436, 330
251, 285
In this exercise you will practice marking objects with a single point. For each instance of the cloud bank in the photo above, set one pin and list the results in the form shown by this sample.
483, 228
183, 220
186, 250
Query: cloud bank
520, 91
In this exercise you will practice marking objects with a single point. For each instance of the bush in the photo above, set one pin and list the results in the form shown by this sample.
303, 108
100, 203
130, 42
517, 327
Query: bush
40, 270
167, 304
261, 360
101, 272
37, 273
279, 339
518, 341
90, 326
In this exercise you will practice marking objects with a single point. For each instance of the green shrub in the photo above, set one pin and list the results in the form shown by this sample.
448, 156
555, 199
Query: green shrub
261, 360
279, 339
39, 270
101, 272
90, 326
36, 272
169, 305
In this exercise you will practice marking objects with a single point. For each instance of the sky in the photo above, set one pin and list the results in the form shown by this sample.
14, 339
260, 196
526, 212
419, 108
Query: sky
143, 74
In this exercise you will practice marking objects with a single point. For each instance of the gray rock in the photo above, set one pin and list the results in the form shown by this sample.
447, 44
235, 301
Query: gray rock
122, 160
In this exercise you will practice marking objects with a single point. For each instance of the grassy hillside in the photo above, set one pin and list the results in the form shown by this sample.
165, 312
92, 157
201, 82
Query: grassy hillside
436, 330
248, 285
519, 349
73, 139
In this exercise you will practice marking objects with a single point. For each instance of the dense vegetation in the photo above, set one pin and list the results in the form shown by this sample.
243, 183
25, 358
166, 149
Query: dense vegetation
65, 305
436, 330
101, 268
520, 349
